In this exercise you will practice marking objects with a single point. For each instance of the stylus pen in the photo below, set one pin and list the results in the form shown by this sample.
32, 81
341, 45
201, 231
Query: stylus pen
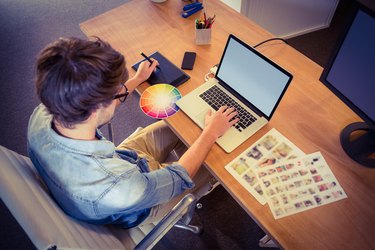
148, 59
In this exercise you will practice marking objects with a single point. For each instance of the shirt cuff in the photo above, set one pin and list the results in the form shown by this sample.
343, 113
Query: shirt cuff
183, 174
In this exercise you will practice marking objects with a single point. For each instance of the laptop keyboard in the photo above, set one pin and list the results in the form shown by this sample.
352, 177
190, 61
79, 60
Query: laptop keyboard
216, 98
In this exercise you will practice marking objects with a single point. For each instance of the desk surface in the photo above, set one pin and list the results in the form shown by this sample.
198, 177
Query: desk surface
145, 26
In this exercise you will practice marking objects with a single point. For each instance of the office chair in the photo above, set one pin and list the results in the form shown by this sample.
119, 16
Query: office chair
48, 227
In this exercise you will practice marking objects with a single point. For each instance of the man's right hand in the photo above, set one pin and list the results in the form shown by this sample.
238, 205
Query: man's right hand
217, 123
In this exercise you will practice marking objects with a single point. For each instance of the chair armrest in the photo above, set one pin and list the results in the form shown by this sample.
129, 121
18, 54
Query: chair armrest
182, 211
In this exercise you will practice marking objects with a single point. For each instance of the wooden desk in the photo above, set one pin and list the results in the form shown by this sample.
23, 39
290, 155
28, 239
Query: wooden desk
309, 115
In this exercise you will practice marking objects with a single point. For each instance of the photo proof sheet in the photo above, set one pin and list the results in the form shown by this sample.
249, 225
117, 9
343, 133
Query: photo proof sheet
276, 172
272, 148
299, 184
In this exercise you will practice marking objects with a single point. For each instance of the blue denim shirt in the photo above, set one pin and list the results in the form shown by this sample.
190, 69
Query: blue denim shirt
93, 182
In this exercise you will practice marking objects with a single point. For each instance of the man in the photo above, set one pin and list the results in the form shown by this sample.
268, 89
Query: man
80, 83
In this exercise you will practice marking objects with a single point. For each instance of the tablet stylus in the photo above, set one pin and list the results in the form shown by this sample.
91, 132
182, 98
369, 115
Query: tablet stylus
148, 59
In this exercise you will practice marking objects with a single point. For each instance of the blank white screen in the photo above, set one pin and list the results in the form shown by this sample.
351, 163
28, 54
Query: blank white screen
252, 77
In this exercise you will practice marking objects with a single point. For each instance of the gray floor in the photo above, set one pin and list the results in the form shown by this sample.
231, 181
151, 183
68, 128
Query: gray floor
26, 27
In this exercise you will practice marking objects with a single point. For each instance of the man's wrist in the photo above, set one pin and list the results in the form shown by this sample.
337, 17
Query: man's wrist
208, 137
138, 79
133, 82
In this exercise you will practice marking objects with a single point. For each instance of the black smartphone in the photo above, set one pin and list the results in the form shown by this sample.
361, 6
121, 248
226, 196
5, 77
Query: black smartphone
188, 60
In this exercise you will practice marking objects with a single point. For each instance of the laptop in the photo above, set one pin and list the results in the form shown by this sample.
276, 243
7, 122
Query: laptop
245, 80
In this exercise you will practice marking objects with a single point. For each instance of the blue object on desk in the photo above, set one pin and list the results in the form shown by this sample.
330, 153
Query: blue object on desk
191, 6
190, 9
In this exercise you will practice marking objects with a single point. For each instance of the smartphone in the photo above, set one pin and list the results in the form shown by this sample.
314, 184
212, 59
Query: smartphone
188, 60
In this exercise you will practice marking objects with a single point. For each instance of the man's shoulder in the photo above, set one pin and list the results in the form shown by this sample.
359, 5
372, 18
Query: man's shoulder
39, 122
39, 118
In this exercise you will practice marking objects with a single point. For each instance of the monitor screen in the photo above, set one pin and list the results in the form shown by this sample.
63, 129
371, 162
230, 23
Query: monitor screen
353, 70
351, 75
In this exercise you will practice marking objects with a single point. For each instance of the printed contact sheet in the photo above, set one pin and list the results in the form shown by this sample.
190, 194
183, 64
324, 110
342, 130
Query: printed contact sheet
277, 172
299, 184
270, 149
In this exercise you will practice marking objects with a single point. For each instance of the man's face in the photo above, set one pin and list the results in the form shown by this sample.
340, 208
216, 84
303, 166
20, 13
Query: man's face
105, 114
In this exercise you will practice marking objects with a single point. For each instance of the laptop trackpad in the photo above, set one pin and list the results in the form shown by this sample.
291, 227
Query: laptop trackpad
199, 119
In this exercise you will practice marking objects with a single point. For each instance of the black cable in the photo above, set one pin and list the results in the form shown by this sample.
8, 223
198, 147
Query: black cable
271, 39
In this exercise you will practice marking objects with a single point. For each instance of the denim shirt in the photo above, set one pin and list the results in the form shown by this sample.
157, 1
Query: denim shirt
93, 182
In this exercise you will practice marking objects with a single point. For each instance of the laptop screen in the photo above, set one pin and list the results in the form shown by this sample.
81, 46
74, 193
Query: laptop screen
253, 76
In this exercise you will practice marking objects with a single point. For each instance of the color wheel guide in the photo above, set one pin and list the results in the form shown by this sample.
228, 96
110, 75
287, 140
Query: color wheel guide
159, 101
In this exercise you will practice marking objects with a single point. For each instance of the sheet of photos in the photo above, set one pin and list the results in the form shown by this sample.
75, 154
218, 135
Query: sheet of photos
272, 148
298, 185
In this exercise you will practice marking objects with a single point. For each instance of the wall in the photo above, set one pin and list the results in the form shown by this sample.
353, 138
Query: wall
287, 18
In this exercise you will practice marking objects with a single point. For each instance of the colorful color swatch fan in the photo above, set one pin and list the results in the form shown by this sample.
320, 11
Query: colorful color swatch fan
159, 101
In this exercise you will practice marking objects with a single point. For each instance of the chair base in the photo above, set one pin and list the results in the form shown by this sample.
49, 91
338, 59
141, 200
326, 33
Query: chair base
191, 228
266, 241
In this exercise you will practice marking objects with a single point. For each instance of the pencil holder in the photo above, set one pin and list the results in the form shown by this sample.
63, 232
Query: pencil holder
202, 36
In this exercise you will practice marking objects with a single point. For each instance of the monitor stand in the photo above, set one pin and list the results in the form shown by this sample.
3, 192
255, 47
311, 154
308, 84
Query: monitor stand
362, 148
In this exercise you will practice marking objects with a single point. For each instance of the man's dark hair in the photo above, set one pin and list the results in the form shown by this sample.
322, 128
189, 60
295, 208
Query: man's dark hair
75, 77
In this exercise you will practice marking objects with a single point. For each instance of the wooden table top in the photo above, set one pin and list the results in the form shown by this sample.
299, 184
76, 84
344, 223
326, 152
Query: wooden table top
309, 115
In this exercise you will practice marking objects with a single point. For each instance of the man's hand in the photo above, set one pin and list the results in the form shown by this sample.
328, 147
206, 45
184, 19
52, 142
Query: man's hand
145, 70
217, 123
143, 73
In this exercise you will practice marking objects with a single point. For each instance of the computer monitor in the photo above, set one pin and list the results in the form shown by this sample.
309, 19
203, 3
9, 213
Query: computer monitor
350, 75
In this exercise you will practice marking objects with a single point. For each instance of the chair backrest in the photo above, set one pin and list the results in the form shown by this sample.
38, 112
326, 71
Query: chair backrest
45, 223
48, 227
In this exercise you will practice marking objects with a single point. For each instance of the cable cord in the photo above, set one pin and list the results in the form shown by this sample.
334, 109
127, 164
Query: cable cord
271, 39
